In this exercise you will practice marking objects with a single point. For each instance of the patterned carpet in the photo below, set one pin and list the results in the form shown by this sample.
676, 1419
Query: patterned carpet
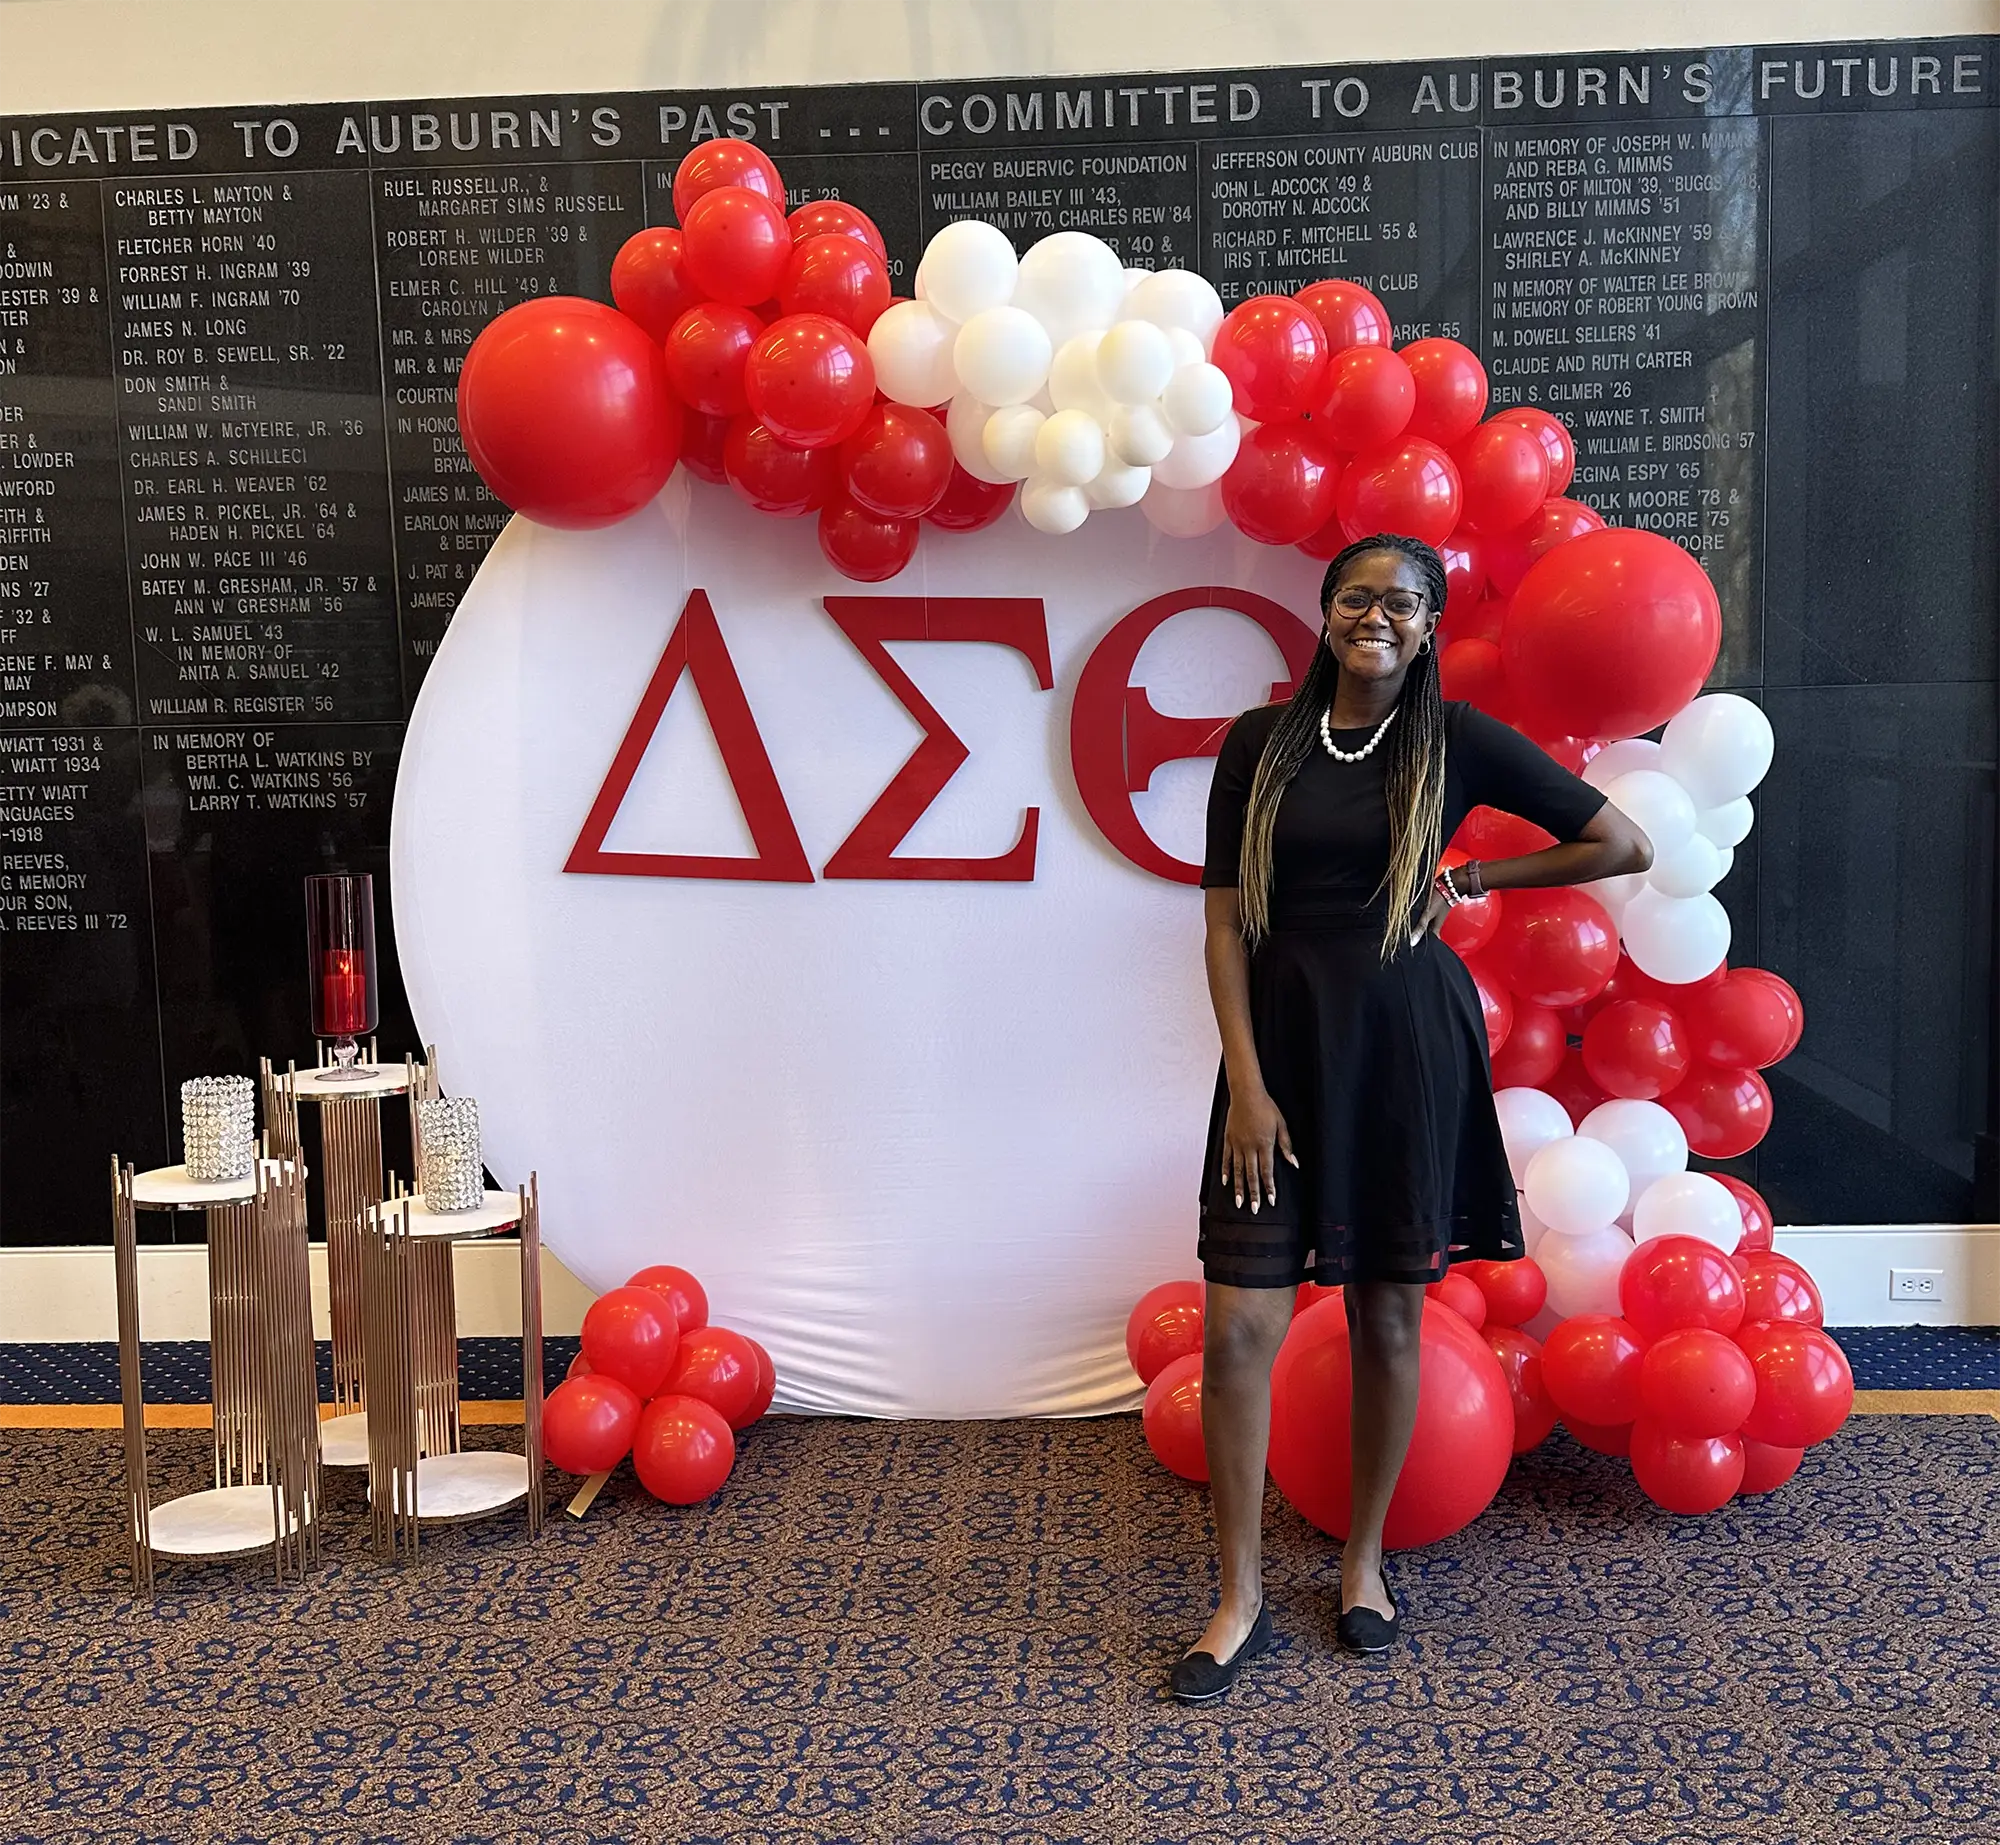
926, 1632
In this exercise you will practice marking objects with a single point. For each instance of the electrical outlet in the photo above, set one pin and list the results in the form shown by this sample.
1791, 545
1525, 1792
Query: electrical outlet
1916, 1284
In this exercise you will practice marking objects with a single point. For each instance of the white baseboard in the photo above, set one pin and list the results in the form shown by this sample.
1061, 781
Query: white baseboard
1851, 1263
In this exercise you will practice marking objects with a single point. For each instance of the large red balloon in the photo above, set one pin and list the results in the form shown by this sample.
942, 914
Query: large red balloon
836, 218
1171, 1418
767, 1383
735, 245
1473, 670
1468, 928
1766, 1468
1556, 947
725, 162
1777, 1288
1511, 554
810, 379
1347, 312
861, 546
1723, 1113
898, 463
566, 412
1458, 1455
1787, 998
1515, 1291
630, 1334
703, 439
1504, 471
1740, 1021
1496, 1004
1280, 487
772, 475
707, 350
1273, 352
1687, 1474
1574, 1088
1673, 1282
1521, 1364
1165, 1324
721, 1368
1534, 1049
835, 275
1461, 1294
1758, 1223
1611, 634
688, 1297
1804, 1387
1409, 487
1696, 1382
1554, 437
1369, 397
587, 1424
1591, 1364
1602, 1437
1635, 1049
1451, 390
650, 282
1464, 554
970, 504
683, 1449
1487, 833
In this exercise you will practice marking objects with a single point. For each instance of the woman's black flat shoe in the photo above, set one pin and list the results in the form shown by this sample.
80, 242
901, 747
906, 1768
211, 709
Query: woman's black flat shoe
1198, 1678
1362, 1630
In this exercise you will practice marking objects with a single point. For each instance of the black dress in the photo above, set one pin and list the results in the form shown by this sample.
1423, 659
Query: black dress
1380, 1070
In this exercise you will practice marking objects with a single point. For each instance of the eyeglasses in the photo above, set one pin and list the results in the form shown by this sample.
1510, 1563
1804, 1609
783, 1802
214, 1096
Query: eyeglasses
1398, 604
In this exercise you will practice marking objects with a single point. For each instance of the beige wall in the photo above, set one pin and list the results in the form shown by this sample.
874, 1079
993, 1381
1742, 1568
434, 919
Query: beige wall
108, 54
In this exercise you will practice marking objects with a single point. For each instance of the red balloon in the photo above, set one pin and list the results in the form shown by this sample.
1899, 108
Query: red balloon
725, 162
837, 276
650, 282
587, 1424
1515, 1291
1504, 471
629, 1334
1451, 391
1513, 553
1758, 1223
683, 1449
1369, 398
703, 439
1766, 1468
1468, 928
1723, 1113
1569, 751
1787, 997
1461, 1294
1274, 353
720, 1367
1464, 554
1556, 947
1488, 834
1635, 1049
565, 410
861, 546
1777, 1288
1347, 312
707, 351
1534, 1049
970, 504
1554, 438
1573, 1088
898, 463
1496, 1004
1611, 634
1280, 487
767, 1383
735, 245
1310, 1294
810, 379
1601, 1438
836, 218
1331, 539
775, 477
1591, 1364
1171, 1418
1686, 1474
1458, 1455
1627, 982
1521, 1364
1409, 487
1696, 1382
1471, 670
1804, 1387
579, 1366
1165, 1325
1673, 1282
1741, 1021
689, 1297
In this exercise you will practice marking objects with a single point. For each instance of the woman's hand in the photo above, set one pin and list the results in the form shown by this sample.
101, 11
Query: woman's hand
1252, 1138
1434, 914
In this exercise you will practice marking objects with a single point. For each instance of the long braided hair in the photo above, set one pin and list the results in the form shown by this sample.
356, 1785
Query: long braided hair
1414, 747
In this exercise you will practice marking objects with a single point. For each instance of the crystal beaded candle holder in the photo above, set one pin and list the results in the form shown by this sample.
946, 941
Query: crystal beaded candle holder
454, 1167
219, 1127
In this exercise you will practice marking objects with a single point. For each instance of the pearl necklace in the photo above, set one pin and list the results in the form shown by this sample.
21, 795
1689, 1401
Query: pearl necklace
1366, 750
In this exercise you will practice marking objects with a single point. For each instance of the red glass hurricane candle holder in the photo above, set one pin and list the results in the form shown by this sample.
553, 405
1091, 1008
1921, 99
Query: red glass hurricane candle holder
340, 956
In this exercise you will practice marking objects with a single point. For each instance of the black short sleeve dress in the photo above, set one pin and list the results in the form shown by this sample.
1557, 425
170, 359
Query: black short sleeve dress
1380, 1069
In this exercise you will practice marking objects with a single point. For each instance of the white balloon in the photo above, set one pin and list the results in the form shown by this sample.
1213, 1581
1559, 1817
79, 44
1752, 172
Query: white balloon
911, 347
1134, 361
1053, 506
1649, 1142
1179, 298
1187, 349
1118, 485
1576, 1185
1620, 758
1010, 440
1657, 804
1002, 355
967, 268
1073, 378
1616, 893
1140, 436
1197, 400
1729, 824
1529, 1120
1689, 1204
1583, 1270
1182, 512
1675, 939
1072, 283
1133, 277
965, 422
1069, 447
1194, 461
1690, 869
1718, 748
1726, 857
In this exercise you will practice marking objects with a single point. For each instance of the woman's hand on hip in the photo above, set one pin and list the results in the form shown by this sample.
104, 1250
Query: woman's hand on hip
1252, 1138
